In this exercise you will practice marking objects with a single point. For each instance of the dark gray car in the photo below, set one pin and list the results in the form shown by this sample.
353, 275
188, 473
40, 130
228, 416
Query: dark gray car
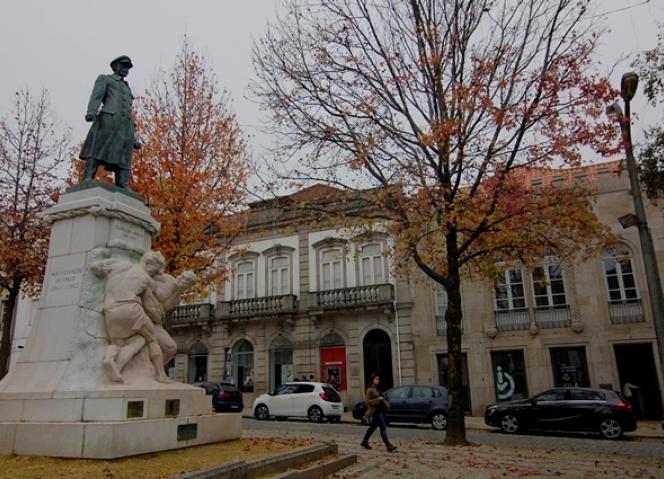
413, 403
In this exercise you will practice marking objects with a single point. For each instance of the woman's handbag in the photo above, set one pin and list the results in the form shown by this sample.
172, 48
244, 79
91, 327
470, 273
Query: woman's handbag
368, 416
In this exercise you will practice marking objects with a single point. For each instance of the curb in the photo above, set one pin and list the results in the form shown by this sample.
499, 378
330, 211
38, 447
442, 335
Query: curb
271, 464
321, 470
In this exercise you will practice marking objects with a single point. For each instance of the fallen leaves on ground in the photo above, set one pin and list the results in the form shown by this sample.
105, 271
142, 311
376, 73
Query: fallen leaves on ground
159, 465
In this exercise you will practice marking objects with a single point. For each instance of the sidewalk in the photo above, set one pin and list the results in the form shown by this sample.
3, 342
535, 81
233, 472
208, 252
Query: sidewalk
645, 428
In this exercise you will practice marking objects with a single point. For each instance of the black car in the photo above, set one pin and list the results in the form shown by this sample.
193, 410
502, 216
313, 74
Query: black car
413, 403
225, 396
566, 409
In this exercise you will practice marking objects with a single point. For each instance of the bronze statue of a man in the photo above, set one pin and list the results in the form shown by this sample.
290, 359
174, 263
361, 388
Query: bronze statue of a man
111, 136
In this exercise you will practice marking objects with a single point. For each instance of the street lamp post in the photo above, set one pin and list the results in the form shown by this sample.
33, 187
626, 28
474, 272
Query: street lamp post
628, 85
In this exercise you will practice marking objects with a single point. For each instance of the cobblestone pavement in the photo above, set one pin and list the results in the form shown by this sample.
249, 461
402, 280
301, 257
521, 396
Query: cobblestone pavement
421, 454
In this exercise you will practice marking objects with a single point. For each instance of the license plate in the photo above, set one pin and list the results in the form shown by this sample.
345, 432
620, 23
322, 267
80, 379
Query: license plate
335, 406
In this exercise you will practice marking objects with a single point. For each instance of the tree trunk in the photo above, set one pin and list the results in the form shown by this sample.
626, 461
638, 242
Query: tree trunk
456, 428
8, 326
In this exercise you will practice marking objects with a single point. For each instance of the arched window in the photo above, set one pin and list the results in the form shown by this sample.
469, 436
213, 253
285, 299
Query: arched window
619, 276
197, 370
372, 264
281, 362
243, 365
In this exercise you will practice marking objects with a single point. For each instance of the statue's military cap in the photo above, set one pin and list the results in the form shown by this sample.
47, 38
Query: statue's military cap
122, 59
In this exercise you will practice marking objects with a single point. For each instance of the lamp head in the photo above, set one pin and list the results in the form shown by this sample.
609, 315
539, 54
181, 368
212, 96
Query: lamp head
628, 84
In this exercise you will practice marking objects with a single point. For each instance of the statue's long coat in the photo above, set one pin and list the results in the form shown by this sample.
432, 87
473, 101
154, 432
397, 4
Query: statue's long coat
111, 137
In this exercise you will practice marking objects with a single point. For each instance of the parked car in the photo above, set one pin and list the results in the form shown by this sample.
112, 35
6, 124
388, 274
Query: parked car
414, 404
226, 397
315, 401
566, 409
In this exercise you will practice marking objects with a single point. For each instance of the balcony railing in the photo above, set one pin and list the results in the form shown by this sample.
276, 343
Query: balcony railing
512, 320
190, 313
626, 313
553, 317
345, 298
264, 306
441, 326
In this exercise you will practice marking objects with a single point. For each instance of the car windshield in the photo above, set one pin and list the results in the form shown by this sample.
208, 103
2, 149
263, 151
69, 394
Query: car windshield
228, 388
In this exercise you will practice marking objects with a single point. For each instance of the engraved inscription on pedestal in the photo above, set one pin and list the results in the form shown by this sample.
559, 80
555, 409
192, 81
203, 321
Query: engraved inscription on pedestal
63, 279
127, 234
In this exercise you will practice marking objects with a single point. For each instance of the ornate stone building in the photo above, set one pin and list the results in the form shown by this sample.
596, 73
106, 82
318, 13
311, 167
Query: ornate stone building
308, 301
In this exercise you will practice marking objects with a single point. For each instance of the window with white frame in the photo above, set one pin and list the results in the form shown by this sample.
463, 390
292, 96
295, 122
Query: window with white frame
279, 275
548, 285
619, 277
509, 290
372, 264
245, 278
331, 269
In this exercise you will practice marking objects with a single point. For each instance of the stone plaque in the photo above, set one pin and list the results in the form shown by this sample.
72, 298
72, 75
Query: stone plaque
172, 408
187, 432
127, 233
135, 409
63, 279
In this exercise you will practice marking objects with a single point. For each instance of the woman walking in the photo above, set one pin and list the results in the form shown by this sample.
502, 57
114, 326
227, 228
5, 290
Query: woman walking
374, 399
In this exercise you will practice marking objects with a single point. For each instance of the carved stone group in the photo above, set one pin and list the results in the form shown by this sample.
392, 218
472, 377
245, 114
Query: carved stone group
136, 298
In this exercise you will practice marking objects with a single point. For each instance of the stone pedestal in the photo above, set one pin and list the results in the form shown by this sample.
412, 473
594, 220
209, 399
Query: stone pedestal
56, 400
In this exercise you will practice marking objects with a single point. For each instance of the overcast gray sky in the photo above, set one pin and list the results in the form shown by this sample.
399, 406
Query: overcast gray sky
63, 45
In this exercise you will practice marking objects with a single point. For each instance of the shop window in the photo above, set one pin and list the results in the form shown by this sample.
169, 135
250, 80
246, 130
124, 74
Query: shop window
465, 382
197, 363
509, 375
243, 365
281, 361
570, 368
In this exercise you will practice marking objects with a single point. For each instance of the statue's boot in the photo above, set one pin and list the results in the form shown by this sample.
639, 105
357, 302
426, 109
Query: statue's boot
91, 166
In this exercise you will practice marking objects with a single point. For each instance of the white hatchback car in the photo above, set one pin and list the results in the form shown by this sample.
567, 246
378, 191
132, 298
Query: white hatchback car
315, 401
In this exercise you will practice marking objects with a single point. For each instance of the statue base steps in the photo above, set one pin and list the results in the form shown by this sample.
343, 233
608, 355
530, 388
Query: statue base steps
114, 439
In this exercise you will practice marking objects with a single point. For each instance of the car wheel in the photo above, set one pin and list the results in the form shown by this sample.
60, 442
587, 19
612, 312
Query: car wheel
509, 423
610, 428
315, 414
333, 419
262, 412
439, 421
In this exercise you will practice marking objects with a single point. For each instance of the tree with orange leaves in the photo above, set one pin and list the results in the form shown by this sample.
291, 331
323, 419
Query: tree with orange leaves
192, 168
33, 155
446, 107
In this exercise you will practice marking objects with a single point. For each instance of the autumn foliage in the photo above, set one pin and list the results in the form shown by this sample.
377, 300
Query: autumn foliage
33, 155
192, 168
445, 108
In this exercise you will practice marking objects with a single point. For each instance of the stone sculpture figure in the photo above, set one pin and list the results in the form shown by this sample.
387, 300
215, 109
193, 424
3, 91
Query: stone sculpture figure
111, 137
167, 291
129, 324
